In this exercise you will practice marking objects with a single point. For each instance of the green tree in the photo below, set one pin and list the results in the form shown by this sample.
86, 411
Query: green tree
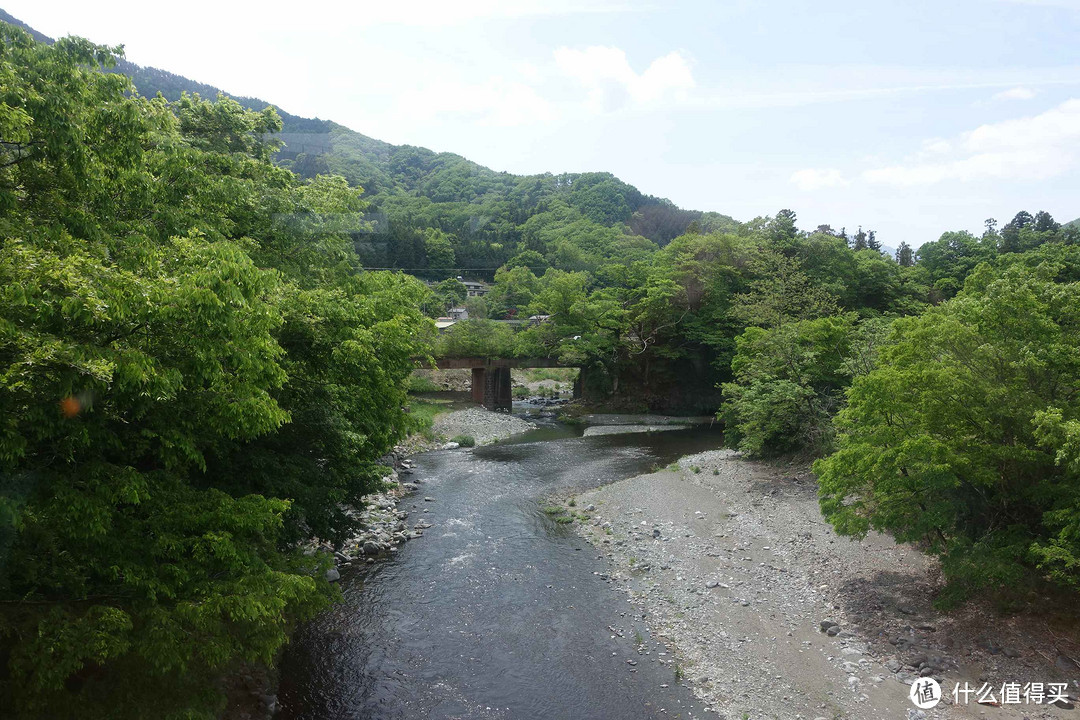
173, 308
788, 381
963, 437
450, 293
439, 249
905, 256
780, 292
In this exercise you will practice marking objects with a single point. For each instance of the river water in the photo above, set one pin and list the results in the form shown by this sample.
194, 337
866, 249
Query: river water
497, 612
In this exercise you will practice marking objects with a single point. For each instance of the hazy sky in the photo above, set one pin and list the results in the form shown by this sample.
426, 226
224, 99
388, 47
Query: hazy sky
907, 117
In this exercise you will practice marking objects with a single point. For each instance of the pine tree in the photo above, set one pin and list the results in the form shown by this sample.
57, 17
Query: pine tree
860, 240
872, 241
905, 256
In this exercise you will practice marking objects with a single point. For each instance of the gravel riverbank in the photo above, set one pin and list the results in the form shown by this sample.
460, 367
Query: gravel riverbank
731, 562
484, 426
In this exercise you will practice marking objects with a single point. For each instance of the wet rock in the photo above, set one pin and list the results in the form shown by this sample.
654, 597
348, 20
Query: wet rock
826, 624
332, 575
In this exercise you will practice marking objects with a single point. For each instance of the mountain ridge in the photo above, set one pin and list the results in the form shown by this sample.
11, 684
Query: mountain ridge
419, 195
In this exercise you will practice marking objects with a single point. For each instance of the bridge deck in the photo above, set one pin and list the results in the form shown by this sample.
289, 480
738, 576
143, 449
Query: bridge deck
467, 363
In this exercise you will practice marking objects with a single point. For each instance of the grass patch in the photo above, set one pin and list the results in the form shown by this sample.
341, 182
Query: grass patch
464, 440
421, 384
679, 674
422, 414
564, 519
552, 510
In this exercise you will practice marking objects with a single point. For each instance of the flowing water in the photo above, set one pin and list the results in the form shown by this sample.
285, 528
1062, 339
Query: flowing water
497, 611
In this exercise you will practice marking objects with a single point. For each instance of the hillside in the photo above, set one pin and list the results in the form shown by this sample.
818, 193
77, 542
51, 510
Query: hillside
436, 214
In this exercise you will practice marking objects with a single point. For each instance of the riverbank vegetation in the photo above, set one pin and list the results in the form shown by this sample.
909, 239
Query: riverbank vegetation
194, 378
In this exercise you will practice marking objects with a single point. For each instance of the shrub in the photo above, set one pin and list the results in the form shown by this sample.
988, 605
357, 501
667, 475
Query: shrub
464, 440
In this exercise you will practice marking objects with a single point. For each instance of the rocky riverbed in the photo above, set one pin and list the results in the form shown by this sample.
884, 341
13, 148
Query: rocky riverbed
773, 615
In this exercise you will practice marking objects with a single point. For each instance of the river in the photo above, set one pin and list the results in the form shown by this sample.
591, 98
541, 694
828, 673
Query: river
498, 611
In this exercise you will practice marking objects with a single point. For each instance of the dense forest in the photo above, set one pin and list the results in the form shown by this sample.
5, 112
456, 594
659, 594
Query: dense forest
195, 379
202, 363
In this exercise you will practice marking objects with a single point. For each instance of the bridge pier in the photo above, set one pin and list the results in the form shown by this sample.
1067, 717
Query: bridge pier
491, 376
491, 387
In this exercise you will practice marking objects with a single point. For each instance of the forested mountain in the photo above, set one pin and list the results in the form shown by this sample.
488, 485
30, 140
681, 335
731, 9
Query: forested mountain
438, 214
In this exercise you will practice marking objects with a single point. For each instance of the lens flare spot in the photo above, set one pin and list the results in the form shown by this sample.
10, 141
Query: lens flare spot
70, 406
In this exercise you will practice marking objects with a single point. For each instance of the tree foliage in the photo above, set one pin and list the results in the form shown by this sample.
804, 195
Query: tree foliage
964, 436
193, 379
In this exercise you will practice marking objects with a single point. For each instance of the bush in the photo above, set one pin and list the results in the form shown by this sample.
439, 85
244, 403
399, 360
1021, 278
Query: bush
464, 440
788, 382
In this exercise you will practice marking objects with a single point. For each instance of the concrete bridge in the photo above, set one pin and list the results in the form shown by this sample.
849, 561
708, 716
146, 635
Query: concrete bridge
491, 376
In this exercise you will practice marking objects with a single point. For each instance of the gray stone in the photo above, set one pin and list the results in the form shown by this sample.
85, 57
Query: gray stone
332, 575
833, 631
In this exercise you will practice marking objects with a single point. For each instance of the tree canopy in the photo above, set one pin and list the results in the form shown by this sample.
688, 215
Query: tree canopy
195, 376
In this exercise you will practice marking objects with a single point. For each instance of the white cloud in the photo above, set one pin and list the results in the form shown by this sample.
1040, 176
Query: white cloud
611, 83
812, 179
496, 102
1029, 148
1016, 93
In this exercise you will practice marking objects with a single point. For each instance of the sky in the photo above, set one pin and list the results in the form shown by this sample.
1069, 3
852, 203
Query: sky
909, 117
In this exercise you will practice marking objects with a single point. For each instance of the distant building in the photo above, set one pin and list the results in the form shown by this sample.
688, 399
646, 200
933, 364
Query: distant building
443, 323
538, 319
474, 288
458, 313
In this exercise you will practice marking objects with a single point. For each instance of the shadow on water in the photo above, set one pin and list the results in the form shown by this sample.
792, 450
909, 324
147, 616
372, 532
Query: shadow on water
496, 611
